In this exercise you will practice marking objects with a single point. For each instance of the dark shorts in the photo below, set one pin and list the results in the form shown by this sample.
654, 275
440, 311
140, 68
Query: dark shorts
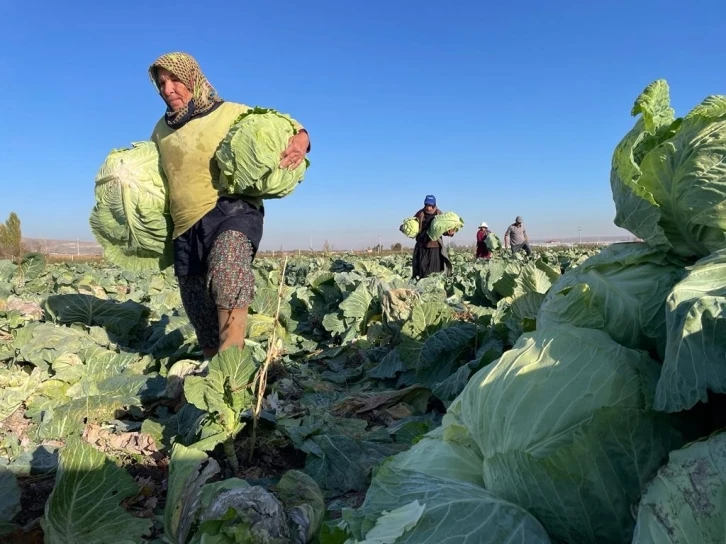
213, 264
191, 249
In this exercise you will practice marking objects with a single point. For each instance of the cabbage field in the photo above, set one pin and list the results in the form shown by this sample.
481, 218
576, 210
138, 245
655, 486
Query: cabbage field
113, 430
104, 395
571, 396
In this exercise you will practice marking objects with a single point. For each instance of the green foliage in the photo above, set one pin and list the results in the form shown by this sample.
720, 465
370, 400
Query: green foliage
529, 357
11, 238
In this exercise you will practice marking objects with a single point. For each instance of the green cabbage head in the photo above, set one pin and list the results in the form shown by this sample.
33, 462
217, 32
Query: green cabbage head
668, 176
130, 218
686, 501
409, 227
443, 223
622, 290
249, 156
566, 431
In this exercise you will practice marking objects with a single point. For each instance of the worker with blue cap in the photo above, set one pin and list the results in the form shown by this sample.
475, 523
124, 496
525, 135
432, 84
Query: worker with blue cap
429, 256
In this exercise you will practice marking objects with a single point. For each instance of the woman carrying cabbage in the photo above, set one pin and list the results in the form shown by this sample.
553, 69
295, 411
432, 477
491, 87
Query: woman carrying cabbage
483, 250
215, 236
429, 255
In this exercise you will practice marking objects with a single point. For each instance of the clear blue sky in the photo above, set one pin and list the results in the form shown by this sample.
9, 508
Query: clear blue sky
498, 109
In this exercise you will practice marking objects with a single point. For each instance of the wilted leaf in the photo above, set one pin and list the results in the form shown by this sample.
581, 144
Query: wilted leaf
188, 472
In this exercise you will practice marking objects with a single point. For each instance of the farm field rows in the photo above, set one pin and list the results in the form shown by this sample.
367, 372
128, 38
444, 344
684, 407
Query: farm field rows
374, 416
93, 358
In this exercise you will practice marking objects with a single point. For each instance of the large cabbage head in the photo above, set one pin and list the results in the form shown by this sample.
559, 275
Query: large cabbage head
409, 227
695, 354
249, 156
565, 428
130, 218
668, 175
443, 223
622, 290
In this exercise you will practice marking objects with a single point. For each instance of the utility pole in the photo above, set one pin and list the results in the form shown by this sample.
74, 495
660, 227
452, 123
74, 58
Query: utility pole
379, 244
579, 232
78, 247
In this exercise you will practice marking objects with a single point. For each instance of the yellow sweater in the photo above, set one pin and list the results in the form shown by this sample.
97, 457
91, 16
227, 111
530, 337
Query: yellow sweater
187, 157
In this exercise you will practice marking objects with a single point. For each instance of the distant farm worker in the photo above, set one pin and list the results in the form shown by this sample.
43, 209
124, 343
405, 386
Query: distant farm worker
429, 256
516, 237
482, 250
215, 236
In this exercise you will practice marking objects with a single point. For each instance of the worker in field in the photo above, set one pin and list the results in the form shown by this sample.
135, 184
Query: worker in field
429, 256
516, 237
482, 248
215, 237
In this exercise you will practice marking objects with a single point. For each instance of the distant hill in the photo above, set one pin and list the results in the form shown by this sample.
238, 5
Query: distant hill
62, 247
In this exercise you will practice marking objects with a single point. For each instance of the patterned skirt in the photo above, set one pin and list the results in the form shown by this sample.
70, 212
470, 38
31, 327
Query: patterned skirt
228, 284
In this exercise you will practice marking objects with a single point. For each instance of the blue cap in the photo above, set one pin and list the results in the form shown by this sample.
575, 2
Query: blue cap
430, 200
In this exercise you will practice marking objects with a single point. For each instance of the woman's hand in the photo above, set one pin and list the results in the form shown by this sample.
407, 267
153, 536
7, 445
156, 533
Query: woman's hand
296, 150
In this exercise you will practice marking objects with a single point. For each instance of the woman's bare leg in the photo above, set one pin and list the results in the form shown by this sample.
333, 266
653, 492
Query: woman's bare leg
232, 328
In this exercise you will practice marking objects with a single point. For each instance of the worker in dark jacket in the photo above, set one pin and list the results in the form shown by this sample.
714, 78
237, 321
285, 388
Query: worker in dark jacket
429, 256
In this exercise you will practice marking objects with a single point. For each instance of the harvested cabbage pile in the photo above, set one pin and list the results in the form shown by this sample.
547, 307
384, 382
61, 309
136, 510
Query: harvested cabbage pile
444, 223
409, 227
249, 156
130, 218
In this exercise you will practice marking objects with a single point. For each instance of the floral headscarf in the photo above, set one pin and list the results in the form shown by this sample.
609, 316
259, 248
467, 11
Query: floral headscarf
185, 67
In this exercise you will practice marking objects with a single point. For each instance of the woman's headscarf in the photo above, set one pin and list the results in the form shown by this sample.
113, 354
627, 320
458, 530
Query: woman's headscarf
185, 67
